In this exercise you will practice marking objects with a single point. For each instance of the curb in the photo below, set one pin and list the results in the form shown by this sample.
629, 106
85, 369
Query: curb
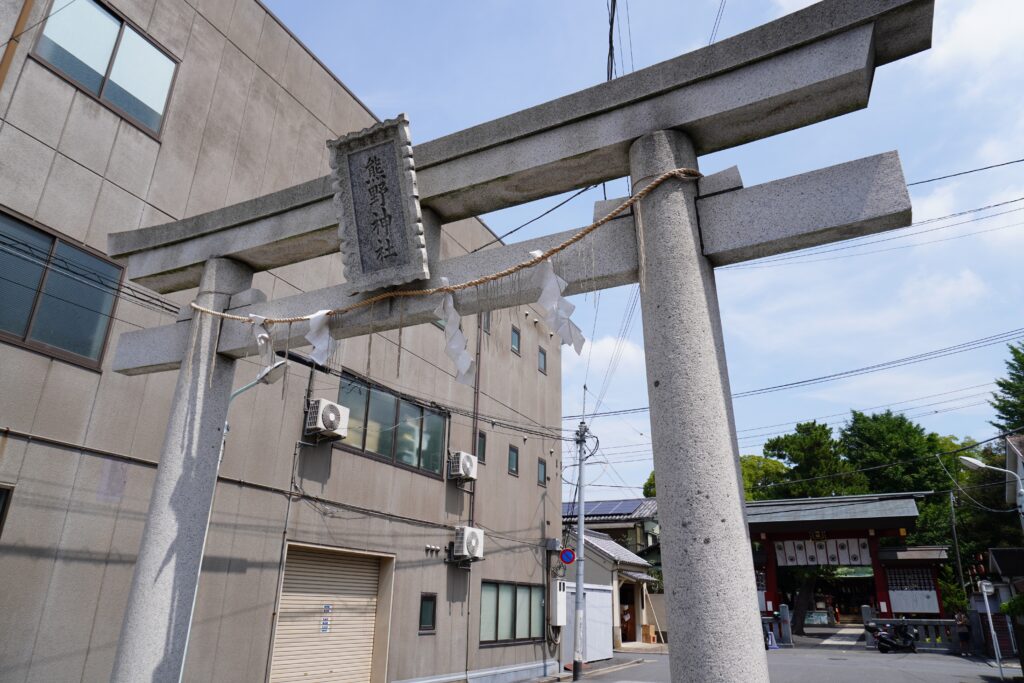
567, 676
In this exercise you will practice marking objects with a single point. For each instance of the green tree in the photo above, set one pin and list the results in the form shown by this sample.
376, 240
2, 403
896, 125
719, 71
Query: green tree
1008, 402
758, 473
650, 491
761, 476
896, 454
816, 464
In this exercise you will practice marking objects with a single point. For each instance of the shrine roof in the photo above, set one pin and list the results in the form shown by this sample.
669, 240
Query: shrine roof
877, 511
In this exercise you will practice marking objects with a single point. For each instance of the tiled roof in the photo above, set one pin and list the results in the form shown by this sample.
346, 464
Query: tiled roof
609, 548
872, 507
898, 507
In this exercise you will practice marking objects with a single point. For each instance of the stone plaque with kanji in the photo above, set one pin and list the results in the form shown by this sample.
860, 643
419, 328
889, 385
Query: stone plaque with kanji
379, 220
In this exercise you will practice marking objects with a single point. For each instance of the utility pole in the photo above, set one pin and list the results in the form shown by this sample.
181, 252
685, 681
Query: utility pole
581, 606
956, 543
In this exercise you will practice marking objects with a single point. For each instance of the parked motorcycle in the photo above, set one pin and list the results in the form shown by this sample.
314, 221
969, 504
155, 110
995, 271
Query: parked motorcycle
888, 638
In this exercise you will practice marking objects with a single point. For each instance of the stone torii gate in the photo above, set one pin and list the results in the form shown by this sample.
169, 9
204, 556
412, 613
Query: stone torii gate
803, 68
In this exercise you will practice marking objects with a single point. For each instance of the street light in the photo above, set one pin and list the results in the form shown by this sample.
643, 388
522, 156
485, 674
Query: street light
267, 375
975, 464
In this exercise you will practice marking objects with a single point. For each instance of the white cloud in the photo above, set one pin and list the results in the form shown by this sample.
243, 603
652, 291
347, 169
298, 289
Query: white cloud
982, 39
600, 352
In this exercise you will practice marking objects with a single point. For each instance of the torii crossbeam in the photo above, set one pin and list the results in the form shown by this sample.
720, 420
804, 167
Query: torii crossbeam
803, 68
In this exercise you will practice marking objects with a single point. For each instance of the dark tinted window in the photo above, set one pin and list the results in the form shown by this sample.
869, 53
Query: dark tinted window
54, 295
513, 460
389, 427
428, 612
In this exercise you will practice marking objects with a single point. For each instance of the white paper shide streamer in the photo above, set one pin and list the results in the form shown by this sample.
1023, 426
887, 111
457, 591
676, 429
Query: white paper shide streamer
264, 342
455, 340
556, 307
319, 336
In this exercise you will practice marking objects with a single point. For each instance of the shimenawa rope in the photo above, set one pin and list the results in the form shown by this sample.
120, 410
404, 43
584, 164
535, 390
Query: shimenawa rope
680, 173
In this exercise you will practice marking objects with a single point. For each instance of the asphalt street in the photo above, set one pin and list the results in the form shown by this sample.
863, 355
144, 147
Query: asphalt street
828, 665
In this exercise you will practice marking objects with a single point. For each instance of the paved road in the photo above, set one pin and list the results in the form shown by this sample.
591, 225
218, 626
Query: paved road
832, 665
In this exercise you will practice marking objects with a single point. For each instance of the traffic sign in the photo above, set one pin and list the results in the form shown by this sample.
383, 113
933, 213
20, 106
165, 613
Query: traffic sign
567, 556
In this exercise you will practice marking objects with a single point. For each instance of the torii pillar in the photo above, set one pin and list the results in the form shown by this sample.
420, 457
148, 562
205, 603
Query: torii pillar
702, 517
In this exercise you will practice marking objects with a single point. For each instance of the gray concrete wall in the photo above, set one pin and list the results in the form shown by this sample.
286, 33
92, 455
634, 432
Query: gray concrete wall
249, 114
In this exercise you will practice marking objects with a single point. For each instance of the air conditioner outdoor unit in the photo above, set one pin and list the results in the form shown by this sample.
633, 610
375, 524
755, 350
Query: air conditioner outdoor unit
469, 543
462, 466
326, 418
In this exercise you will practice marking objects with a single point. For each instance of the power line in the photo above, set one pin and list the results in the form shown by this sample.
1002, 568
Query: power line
891, 463
1002, 337
535, 219
25, 251
29, 28
718, 21
806, 256
960, 173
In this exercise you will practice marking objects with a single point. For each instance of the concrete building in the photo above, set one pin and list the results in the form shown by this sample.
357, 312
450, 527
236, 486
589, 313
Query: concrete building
322, 560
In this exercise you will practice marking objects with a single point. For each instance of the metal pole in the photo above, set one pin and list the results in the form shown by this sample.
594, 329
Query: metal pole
992, 628
956, 543
581, 606
209, 517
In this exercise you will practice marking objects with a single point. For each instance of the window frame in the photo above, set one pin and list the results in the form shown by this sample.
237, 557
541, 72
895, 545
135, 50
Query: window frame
542, 472
481, 453
125, 21
513, 472
399, 397
432, 597
516, 336
48, 349
542, 367
497, 614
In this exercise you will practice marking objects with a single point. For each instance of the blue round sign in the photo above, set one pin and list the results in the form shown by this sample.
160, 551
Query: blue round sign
568, 555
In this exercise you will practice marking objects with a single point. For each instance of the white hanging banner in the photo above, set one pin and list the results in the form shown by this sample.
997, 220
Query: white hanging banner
455, 340
557, 309
319, 336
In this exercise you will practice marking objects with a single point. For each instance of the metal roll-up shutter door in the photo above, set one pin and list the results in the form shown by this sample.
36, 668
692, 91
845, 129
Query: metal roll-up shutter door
326, 617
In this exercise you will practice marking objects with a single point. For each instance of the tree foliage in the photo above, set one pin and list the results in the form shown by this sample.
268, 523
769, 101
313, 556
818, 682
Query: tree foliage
761, 476
650, 491
1008, 402
816, 464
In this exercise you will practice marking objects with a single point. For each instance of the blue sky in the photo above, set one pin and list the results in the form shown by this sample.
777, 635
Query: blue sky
453, 64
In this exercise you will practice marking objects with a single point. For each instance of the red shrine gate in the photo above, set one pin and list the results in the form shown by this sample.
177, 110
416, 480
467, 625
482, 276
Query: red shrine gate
851, 534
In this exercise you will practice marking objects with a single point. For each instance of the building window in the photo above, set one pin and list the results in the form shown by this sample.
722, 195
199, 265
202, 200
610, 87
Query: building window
515, 340
55, 297
511, 612
542, 360
481, 447
513, 460
384, 425
106, 57
428, 612
485, 321
5, 499
542, 471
